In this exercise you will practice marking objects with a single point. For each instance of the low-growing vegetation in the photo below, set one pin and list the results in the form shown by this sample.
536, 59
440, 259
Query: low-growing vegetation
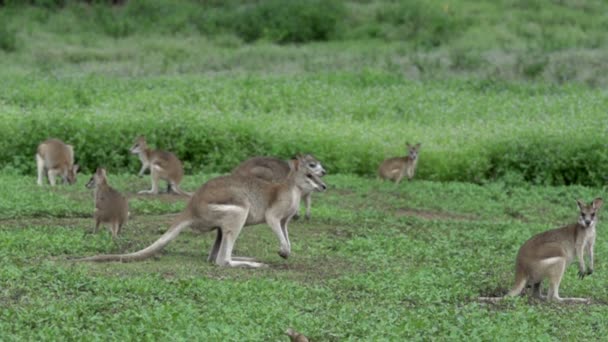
377, 261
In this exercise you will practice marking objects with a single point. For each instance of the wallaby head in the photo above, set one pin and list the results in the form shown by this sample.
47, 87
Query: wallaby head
312, 163
588, 213
139, 145
305, 178
70, 176
413, 150
99, 177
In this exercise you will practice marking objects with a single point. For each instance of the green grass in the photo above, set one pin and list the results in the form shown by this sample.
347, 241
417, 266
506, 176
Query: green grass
377, 261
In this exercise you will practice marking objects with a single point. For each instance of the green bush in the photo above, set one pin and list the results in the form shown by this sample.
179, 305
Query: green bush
426, 23
8, 38
290, 21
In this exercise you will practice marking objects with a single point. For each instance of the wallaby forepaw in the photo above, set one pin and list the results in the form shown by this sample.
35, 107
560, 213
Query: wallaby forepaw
582, 274
284, 254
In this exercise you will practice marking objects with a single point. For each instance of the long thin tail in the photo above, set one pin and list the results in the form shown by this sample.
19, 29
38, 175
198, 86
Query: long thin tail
520, 283
179, 191
147, 252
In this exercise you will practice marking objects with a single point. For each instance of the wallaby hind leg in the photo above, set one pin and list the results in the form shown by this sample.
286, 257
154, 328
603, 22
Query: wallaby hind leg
555, 274
284, 223
216, 246
154, 176
40, 167
231, 228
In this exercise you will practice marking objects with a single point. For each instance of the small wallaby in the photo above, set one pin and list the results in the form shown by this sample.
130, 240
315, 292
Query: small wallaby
110, 206
395, 168
548, 254
57, 159
229, 203
163, 165
275, 170
295, 336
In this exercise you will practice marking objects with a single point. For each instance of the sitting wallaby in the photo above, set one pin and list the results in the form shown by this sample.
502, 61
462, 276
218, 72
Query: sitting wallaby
395, 168
274, 170
57, 158
295, 336
546, 255
110, 206
227, 204
163, 165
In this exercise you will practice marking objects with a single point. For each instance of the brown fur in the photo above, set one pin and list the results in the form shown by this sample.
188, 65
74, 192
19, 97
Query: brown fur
295, 336
275, 170
110, 206
394, 169
548, 254
227, 204
56, 158
163, 165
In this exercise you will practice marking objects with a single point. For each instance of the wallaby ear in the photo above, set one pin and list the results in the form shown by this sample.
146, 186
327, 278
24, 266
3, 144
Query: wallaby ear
418, 145
597, 203
407, 144
581, 204
296, 164
75, 168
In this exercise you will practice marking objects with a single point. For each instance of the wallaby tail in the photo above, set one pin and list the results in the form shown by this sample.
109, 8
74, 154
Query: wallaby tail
179, 191
147, 252
520, 283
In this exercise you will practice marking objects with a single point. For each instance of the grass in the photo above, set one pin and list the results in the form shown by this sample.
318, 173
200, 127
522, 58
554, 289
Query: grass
507, 98
377, 261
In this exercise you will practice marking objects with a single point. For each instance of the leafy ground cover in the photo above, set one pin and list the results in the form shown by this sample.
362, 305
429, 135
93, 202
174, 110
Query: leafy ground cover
377, 261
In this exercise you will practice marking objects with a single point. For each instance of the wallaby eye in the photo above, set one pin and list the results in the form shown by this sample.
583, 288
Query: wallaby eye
592, 215
308, 175
312, 165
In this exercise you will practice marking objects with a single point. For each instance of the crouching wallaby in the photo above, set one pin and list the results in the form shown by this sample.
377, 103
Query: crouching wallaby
163, 165
57, 159
276, 170
395, 168
110, 206
546, 255
227, 204
295, 336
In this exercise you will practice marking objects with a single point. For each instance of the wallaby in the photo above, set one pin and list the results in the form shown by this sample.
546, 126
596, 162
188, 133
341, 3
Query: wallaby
110, 206
57, 158
295, 336
274, 170
395, 168
546, 255
227, 204
163, 165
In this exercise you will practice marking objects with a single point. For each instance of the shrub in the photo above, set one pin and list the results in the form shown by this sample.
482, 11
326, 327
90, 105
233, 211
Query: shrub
289, 21
8, 38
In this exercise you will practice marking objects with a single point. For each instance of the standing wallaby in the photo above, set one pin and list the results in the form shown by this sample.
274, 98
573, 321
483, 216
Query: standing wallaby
110, 206
163, 165
57, 158
229, 203
295, 336
395, 168
275, 170
546, 255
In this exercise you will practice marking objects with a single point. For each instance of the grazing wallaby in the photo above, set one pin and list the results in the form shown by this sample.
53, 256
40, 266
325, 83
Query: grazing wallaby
295, 336
227, 204
110, 206
274, 170
57, 158
395, 168
163, 165
546, 255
